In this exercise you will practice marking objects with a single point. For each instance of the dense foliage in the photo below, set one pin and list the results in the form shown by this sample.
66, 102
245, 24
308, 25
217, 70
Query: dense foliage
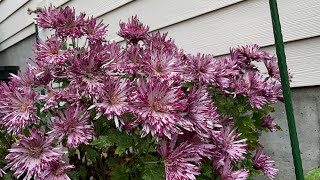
145, 109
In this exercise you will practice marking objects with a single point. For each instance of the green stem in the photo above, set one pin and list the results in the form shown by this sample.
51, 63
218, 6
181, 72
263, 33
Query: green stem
286, 89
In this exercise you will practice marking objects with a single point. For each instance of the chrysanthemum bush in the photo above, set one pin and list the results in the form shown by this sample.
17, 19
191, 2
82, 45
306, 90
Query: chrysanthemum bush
139, 109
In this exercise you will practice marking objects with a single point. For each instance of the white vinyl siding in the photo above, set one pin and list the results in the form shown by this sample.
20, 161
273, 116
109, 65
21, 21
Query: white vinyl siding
208, 26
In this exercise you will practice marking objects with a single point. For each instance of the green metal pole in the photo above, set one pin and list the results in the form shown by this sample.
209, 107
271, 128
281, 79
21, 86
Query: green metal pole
286, 89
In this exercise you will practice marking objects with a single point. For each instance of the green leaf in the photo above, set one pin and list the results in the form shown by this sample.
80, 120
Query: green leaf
120, 173
187, 84
71, 152
114, 138
206, 171
313, 174
8, 176
83, 172
154, 171
92, 154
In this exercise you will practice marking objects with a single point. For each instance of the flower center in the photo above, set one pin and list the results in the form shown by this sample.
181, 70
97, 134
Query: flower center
59, 172
157, 106
24, 106
35, 151
114, 100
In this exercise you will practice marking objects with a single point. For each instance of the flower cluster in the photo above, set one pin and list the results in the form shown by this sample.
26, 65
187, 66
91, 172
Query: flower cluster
149, 88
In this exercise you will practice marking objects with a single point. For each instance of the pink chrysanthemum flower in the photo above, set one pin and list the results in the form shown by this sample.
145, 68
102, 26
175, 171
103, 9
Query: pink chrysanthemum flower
50, 52
163, 65
269, 123
95, 31
17, 107
228, 145
74, 124
157, 106
27, 79
132, 59
85, 73
273, 91
51, 98
31, 154
252, 85
179, 160
200, 115
111, 55
227, 173
246, 54
158, 41
201, 68
56, 170
133, 31
272, 67
112, 101
263, 162
68, 24
46, 18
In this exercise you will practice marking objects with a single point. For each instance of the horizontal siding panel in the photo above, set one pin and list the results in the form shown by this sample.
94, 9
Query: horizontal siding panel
22, 30
97, 7
20, 19
29, 30
159, 14
246, 22
10, 6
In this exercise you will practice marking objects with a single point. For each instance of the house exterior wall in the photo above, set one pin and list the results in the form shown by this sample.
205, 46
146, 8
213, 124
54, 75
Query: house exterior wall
209, 26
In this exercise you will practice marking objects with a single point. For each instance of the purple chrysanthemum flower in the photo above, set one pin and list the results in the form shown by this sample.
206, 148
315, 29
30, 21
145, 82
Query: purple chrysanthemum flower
179, 160
228, 146
246, 54
201, 68
157, 106
163, 65
227, 173
272, 67
200, 114
132, 59
263, 162
56, 170
252, 85
85, 73
112, 100
111, 55
17, 107
133, 31
46, 18
95, 31
31, 154
50, 98
27, 79
158, 41
50, 52
73, 123
63, 20
269, 123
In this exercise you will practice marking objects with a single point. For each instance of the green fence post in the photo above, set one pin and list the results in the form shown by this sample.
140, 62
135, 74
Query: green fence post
286, 89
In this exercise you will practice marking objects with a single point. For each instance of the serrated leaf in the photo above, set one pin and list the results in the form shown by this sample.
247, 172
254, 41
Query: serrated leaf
92, 154
71, 152
120, 173
154, 171
116, 138
83, 172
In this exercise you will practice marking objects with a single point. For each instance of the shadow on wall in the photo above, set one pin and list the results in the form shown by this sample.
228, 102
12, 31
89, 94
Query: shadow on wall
306, 104
5, 72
